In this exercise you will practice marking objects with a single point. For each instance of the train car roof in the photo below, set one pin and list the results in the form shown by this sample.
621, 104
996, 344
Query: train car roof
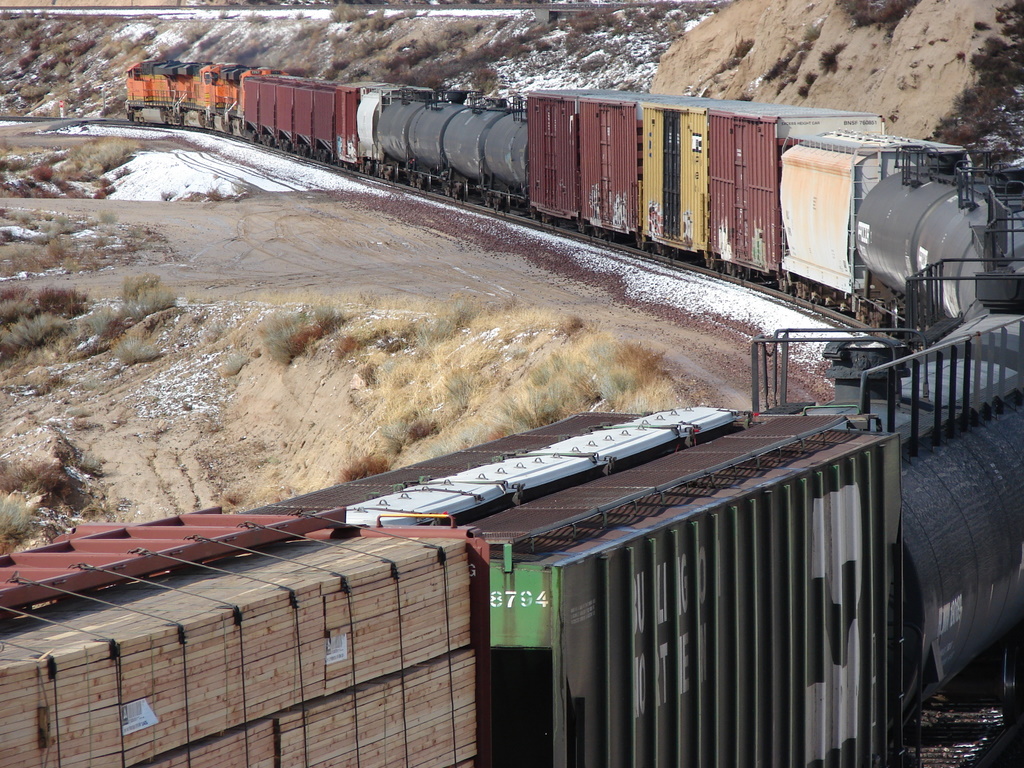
852, 141
723, 105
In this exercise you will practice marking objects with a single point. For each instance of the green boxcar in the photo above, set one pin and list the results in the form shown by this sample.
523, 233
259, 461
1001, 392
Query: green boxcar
737, 620
675, 195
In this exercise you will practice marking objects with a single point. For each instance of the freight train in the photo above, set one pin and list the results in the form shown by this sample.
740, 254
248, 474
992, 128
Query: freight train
668, 620
799, 196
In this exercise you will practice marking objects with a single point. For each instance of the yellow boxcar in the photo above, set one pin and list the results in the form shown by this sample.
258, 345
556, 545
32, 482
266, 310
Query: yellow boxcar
675, 195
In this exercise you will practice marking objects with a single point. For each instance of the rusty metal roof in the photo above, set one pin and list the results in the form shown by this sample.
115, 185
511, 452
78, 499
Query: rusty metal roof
642, 492
49, 572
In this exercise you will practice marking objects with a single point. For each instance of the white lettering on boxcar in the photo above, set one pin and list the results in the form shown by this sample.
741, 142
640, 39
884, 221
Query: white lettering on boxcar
639, 662
639, 685
836, 541
684, 662
662, 593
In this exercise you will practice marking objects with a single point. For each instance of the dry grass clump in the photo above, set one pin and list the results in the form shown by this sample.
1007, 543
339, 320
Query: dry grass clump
364, 466
64, 302
343, 13
90, 160
597, 371
34, 478
287, 335
234, 364
437, 376
28, 333
16, 518
32, 320
132, 350
144, 295
105, 323
887, 13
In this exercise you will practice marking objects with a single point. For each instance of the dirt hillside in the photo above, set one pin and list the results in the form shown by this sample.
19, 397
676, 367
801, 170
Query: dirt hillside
813, 54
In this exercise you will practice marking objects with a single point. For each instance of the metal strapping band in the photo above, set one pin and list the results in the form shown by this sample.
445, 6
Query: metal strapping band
16, 579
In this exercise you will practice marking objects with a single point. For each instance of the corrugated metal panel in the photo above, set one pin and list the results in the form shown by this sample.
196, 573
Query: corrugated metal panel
250, 97
675, 202
817, 210
267, 107
762, 604
323, 115
610, 164
746, 223
285, 109
554, 155
346, 108
304, 113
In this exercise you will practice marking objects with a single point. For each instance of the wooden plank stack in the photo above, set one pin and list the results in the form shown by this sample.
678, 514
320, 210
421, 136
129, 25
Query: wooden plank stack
346, 653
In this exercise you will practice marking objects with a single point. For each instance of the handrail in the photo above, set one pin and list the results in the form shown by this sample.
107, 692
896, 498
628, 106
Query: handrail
972, 376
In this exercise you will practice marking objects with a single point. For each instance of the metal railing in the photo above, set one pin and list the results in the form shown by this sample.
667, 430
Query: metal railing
936, 393
769, 356
952, 386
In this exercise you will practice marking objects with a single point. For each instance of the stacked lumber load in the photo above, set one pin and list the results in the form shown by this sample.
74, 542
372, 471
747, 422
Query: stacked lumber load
391, 721
310, 653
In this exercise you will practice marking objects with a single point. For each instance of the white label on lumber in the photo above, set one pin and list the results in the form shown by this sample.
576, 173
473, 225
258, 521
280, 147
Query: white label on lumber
136, 715
337, 648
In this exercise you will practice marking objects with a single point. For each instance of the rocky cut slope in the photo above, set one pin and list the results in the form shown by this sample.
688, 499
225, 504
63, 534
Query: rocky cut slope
910, 69
61, 62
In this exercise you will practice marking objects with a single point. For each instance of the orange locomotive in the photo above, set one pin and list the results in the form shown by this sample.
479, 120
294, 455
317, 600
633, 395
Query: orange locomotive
190, 93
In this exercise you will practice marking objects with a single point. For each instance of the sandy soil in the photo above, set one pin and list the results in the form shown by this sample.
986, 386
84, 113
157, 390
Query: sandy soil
911, 75
278, 434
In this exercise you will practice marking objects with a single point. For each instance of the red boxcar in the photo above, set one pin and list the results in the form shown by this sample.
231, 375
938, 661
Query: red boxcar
611, 163
285, 115
553, 156
584, 156
744, 174
267, 107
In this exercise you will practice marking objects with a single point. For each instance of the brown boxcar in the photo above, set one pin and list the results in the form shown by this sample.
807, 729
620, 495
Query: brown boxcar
610, 163
553, 155
746, 222
285, 117
260, 105
266, 108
